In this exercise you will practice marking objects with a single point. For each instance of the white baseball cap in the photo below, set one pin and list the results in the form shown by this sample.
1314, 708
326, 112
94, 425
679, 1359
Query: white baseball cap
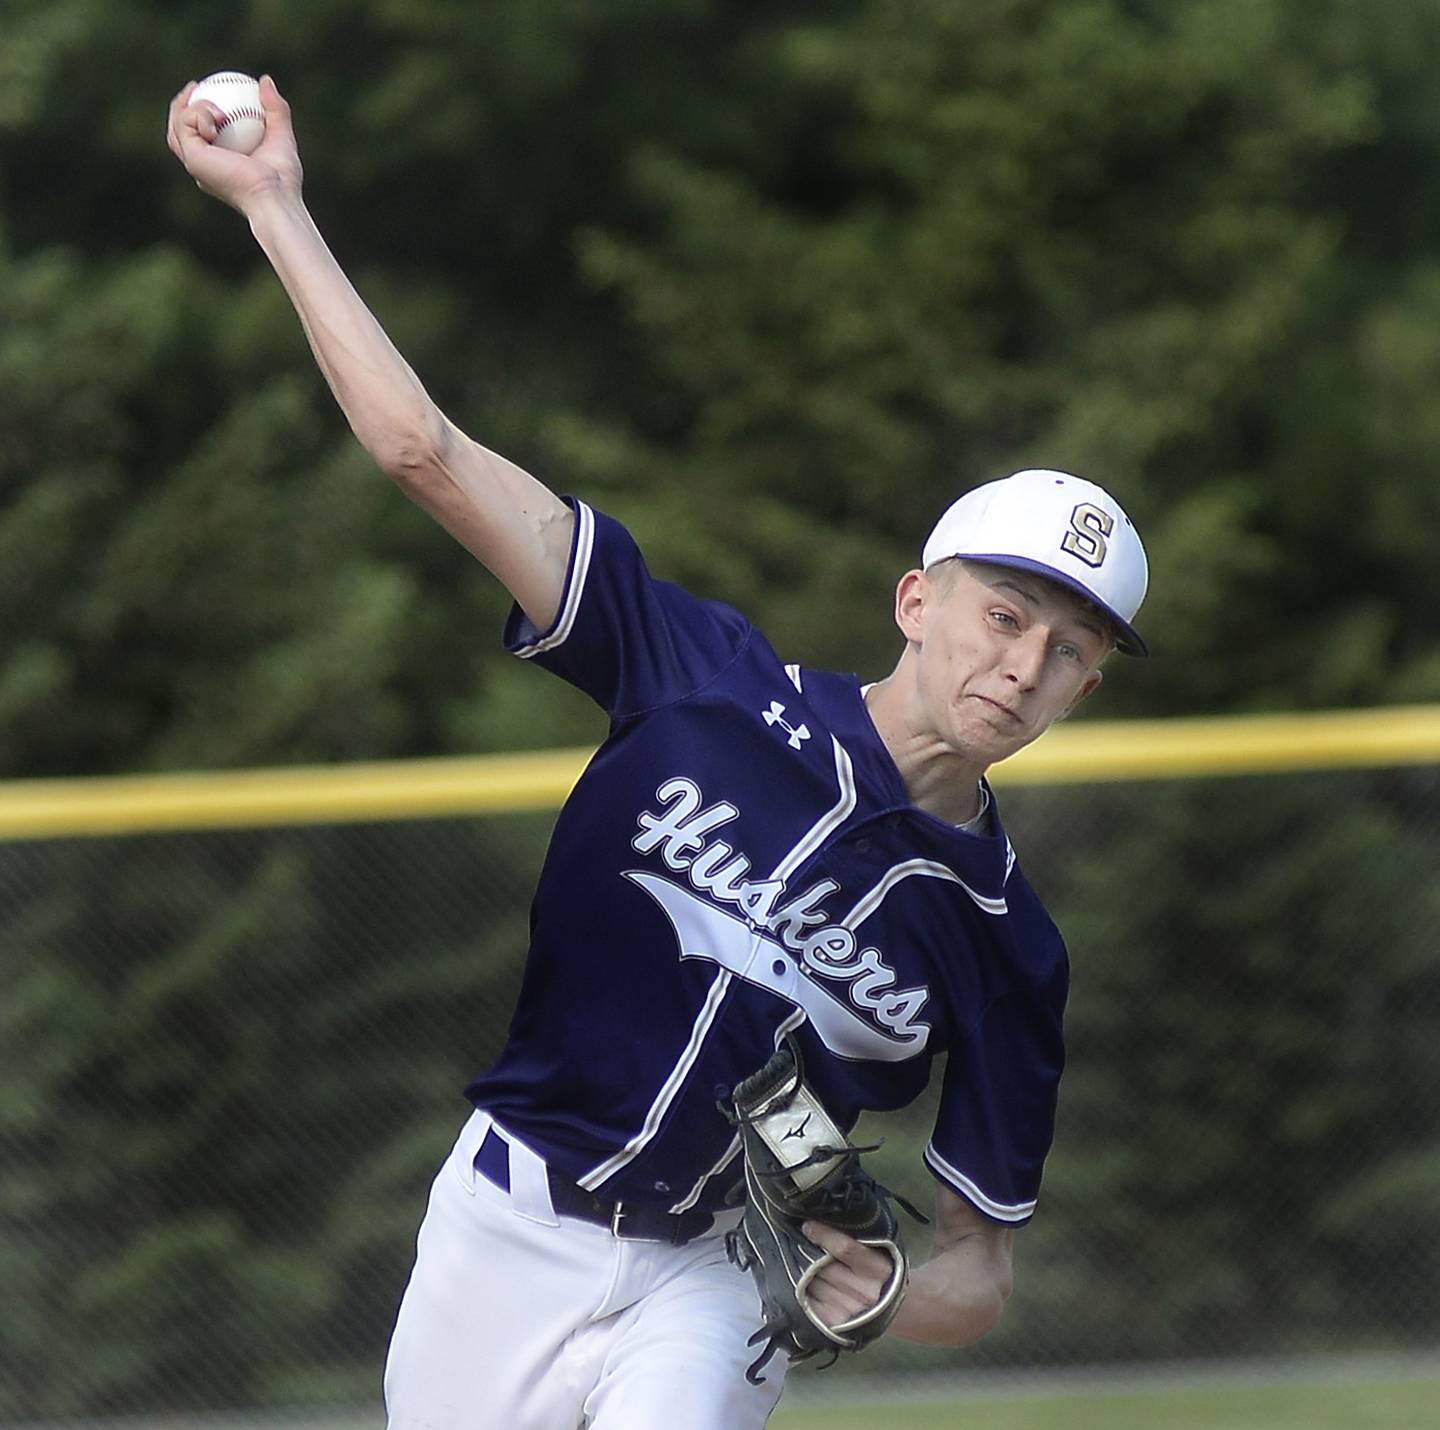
1058, 526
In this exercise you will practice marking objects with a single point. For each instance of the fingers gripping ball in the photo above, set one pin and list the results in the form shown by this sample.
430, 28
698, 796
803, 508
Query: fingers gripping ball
241, 125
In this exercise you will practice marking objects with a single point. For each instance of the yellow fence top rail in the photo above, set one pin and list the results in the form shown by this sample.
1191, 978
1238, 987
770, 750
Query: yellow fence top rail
1084, 753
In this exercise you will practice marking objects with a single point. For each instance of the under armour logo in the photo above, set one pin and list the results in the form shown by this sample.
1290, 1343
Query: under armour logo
775, 715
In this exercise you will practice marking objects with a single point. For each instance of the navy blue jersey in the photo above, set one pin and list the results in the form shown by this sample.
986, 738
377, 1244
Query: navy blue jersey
740, 858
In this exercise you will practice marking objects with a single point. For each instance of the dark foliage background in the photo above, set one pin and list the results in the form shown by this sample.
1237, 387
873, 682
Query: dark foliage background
773, 284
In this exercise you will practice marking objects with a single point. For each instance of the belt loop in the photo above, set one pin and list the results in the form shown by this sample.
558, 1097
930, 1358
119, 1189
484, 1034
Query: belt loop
530, 1184
467, 1147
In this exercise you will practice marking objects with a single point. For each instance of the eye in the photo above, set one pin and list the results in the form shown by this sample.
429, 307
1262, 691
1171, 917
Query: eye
1066, 651
1003, 618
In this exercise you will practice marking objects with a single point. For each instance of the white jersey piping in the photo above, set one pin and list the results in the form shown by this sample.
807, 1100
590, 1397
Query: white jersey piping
831, 819
579, 570
693, 1195
930, 870
964, 1186
671, 1086
790, 1021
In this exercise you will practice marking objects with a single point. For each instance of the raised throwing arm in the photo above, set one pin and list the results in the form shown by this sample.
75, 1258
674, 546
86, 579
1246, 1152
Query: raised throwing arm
517, 527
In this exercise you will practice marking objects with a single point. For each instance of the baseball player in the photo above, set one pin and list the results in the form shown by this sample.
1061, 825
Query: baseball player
758, 852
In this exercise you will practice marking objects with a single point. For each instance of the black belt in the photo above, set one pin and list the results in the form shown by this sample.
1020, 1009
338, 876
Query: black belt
631, 1221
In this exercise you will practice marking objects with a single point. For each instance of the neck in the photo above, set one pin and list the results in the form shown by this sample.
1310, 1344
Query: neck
938, 779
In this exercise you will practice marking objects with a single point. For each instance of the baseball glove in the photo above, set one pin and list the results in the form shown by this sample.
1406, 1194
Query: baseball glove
799, 1166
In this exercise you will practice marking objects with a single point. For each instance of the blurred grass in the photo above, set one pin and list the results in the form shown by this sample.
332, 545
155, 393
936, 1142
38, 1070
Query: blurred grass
1397, 1405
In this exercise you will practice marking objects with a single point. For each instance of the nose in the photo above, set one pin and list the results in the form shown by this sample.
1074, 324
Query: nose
1025, 657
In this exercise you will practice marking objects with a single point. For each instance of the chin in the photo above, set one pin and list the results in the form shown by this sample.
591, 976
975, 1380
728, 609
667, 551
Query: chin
982, 746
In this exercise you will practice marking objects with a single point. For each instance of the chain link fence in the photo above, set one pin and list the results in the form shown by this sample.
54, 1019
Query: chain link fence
230, 1062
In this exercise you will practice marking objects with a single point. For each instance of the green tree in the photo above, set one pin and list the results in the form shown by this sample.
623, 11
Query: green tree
1008, 233
773, 288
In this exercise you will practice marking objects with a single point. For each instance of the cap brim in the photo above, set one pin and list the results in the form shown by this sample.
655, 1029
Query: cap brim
1128, 641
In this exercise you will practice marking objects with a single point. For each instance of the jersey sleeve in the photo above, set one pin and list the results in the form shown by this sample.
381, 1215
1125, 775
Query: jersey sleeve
628, 641
997, 1104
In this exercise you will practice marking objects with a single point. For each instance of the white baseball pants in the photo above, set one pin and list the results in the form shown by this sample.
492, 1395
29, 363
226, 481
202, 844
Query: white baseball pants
516, 1319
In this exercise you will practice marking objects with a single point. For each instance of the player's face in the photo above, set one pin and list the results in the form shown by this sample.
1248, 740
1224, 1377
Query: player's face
1000, 655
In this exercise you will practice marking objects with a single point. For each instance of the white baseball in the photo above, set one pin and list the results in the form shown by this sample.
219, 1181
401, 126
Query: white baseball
241, 126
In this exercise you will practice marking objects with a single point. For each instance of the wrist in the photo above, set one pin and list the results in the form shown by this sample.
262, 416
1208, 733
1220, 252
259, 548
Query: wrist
271, 204
275, 211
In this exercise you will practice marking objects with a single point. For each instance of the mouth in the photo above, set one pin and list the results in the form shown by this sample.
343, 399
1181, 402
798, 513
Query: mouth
1009, 714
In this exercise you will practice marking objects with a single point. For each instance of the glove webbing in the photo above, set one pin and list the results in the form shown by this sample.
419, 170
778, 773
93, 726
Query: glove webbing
834, 1196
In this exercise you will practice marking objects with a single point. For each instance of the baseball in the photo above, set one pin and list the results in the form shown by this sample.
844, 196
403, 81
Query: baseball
242, 121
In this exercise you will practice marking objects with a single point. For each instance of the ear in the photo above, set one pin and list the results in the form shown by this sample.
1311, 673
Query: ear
912, 594
1092, 683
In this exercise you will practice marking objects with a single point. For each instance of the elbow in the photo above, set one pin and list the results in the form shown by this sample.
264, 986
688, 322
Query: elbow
983, 1312
413, 446
412, 459
982, 1320
994, 1311
1002, 1287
